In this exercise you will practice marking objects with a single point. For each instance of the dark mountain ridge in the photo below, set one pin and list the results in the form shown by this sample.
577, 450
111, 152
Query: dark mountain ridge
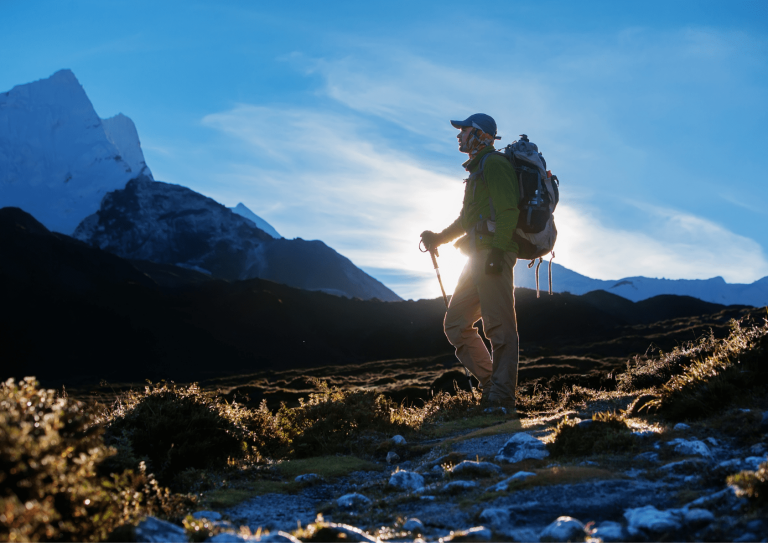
73, 313
171, 224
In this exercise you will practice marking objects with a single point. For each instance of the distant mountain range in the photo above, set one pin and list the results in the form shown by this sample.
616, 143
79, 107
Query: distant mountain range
714, 290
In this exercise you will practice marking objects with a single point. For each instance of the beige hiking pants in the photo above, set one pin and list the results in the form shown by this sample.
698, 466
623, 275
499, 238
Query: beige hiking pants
492, 298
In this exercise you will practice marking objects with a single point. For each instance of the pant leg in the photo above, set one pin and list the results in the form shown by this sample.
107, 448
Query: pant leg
462, 313
497, 307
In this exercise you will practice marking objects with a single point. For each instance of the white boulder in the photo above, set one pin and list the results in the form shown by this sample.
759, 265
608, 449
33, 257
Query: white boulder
406, 480
521, 446
564, 529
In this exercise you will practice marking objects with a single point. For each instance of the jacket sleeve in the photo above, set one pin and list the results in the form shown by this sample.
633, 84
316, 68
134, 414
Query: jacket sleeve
453, 231
505, 194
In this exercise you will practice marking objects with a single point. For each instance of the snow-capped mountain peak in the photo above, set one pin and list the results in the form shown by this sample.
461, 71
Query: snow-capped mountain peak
57, 157
243, 211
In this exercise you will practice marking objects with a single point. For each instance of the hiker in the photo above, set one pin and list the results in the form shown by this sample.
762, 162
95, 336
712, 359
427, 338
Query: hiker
485, 289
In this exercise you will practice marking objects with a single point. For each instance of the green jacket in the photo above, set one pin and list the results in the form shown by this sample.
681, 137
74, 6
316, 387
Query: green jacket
501, 184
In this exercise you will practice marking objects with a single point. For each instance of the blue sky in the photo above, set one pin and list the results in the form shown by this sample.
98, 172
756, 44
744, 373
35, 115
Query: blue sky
330, 120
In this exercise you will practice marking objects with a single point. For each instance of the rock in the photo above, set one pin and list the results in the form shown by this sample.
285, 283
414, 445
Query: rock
210, 515
746, 537
681, 426
564, 529
753, 462
712, 441
479, 533
399, 440
437, 468
495, 516
609, 531
691, 448
392, 457
584, 423
346, 532
733, 464
690, 464
644, 433
758, 449
229, 537
406, 480
648, 456
348, 501
151, 530
650, 519
478, 469
277, 537
307, 478
698, 517
521, 446
413, 525
501, 486
427, 498
458, 486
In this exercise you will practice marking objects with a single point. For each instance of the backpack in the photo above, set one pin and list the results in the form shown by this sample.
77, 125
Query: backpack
535, 233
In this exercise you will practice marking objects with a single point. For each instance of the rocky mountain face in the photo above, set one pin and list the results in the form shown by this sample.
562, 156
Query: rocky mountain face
260, 223
57, 157
714, 290
171, 224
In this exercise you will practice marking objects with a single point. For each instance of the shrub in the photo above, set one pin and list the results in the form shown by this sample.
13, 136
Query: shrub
752, 484
606, 433
337, 421
734, 367
50, 448
176, 428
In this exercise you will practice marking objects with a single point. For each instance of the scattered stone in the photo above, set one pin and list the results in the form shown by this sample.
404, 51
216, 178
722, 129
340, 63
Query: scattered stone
705, 500
758, 449
307, 478
406, 480
521, 446
478, 469
681, 426
345, 532
427, 498
348, 501
501, 486
753, 462
634, 472
457, 486
272, 537
564, 529
392, 457
228, 537
495, 516
746, 537
644, 433
712, 441
588, 463
413, 525
609, 531
584, 423
152, 530
399, 440
650, 519
691, 448
277, 537
648, 456
479, 533
698, 517
684, 465
437, 468
210, 515
732, 464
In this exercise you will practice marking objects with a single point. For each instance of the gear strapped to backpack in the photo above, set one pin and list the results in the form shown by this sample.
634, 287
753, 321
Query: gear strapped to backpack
535, 233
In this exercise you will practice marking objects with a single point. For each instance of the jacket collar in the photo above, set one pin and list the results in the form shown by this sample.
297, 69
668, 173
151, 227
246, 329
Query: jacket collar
472, 163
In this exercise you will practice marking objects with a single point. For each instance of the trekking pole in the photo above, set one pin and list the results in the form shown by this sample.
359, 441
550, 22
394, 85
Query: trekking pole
434, 254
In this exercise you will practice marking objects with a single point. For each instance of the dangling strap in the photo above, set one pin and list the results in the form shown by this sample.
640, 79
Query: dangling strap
550, 272
537, 275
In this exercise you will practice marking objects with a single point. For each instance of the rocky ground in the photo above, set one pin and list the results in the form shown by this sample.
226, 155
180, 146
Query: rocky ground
501, 483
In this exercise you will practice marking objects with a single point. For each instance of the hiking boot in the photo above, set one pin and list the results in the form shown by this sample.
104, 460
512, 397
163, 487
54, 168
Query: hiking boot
507, 407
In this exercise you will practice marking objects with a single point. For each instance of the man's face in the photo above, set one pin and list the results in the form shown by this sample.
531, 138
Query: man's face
463, 137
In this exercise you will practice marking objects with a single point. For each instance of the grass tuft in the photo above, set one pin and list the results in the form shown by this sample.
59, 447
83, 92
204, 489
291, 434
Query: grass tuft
752, 484
607, 433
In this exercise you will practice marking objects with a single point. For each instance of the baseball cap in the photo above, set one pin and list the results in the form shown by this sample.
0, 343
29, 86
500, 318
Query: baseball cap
479, 120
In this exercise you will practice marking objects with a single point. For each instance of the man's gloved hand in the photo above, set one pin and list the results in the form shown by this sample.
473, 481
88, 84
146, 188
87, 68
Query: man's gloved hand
495, 261
431, 240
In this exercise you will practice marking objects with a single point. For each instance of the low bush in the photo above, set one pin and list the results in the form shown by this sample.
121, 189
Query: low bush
752, 484
50, 489
606, 433
733, 369
334, 421
175, 428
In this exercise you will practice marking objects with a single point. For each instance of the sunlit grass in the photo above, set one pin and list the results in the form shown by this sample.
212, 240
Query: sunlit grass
324, 466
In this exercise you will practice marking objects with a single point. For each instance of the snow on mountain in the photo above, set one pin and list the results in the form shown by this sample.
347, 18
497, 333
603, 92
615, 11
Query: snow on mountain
57, 157
714, 290
171, 224
260, 223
